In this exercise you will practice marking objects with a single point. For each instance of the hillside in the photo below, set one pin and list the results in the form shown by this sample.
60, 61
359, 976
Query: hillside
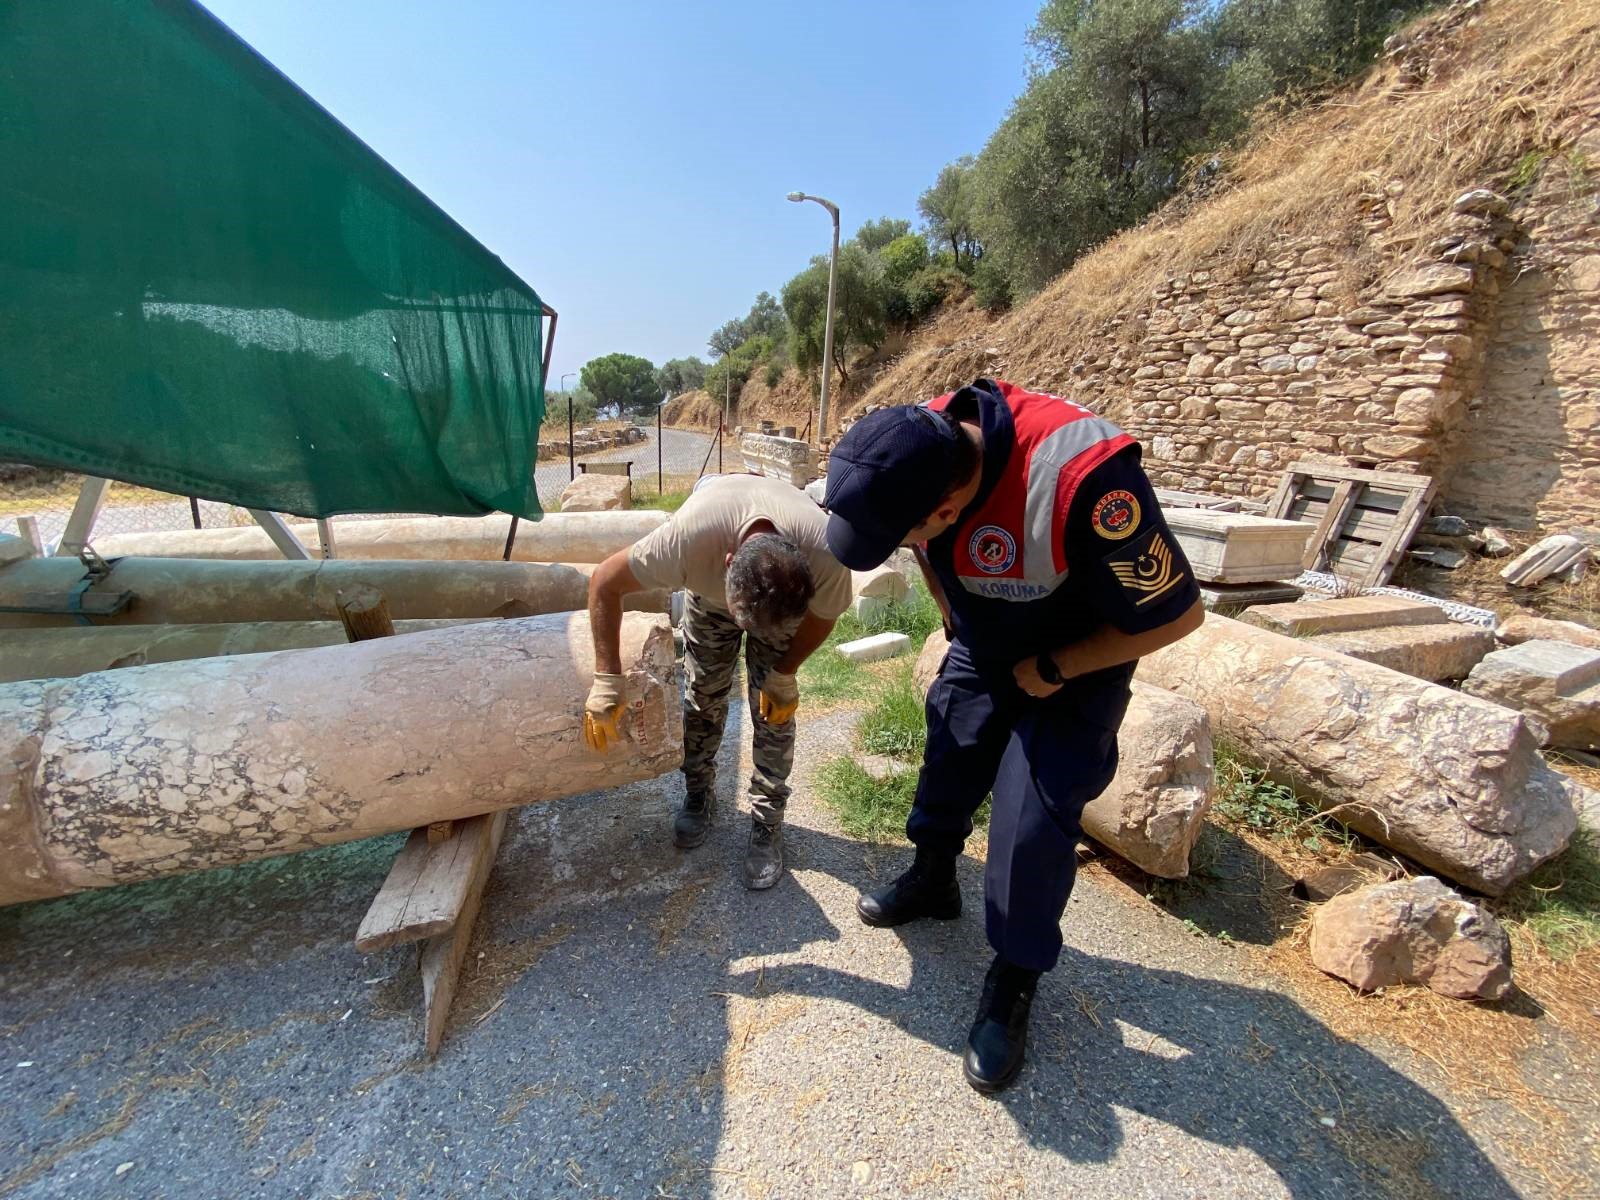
1403, 276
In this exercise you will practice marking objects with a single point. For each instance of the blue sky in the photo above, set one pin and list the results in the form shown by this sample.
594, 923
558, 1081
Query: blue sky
630, 160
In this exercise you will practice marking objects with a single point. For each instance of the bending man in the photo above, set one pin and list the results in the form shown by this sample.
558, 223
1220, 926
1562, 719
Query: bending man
1041, 538
751, 554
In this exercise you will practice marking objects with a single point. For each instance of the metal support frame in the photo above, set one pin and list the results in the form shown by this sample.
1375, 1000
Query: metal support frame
325, 537
282, 536
544, 374
80, 525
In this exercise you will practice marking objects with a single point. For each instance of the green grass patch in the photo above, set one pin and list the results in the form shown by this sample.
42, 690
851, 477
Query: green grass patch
826, 677
1559, 904
872, 809
668, 501
1247, 798
896, 727
896, 724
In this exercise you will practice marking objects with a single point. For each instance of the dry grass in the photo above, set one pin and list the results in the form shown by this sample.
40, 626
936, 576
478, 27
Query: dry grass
1508, 87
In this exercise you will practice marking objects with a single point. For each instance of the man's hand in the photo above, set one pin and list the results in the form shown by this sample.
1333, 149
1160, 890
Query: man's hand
780, 696
601, 710
1030, 681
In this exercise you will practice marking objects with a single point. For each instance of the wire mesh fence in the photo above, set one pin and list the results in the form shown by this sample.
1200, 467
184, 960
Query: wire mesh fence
657, 460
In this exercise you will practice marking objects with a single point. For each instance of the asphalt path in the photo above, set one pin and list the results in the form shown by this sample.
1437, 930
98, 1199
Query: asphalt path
634, 1023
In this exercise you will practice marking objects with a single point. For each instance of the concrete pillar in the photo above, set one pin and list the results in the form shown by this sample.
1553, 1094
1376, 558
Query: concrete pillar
557, 537
130, 775
192, 592
65, 652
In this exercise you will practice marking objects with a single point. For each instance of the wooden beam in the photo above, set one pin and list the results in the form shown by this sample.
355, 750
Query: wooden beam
282, 536
442, 956
426, 889
1328, 529
365, 613
28, 531
80, 525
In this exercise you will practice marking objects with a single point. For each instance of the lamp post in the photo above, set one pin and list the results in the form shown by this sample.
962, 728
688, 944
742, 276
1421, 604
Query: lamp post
572, 456
827, 327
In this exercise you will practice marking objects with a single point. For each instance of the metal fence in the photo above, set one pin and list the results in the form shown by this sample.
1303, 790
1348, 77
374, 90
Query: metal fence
48, 495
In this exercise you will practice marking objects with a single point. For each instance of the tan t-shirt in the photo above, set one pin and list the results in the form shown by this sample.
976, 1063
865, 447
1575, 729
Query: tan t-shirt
691, 550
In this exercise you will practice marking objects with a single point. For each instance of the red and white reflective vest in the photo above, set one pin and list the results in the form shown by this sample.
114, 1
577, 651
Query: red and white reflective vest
1014, 546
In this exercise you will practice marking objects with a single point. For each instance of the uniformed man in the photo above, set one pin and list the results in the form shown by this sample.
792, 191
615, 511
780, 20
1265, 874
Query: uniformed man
751, 554
1041, 538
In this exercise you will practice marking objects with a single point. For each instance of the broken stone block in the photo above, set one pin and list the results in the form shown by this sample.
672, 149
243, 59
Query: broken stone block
779, 457
1553, 555
1324, 883
1495, 543
1412, 931
1440, 556
878, 646
597, 493
1432, 652
1239, 547
1231, 598
1343, 615
1555, 683
1525, 627
884, 582
1154, 809
1451, 780
929, 660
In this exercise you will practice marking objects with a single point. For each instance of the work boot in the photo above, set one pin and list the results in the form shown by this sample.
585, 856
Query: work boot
928, 889
693, 822
999, 1037
763, 858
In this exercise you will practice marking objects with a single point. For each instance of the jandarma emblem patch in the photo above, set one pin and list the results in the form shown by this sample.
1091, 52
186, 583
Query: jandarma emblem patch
992, 550
1147, 573
1115, 515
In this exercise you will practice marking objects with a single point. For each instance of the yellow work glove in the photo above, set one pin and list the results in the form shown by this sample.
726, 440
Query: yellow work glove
601, 710
780, 696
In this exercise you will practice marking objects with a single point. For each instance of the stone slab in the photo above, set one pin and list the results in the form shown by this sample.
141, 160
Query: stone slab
1433, 652
1525, 627
878, 646
1231, 598
1239, 547
1343, 614
1556, 684
591, 492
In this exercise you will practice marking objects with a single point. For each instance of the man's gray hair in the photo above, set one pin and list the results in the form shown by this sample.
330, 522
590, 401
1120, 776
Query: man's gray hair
769, 584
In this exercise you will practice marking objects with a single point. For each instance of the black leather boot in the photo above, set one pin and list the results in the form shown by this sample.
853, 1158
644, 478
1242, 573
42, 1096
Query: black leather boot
693, 822
928, 889
999, 1037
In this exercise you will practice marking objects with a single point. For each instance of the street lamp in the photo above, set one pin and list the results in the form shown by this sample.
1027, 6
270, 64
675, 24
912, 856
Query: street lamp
827, 327
572, 454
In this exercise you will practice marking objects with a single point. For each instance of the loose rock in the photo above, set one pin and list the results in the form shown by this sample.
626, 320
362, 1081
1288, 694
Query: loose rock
1413, 931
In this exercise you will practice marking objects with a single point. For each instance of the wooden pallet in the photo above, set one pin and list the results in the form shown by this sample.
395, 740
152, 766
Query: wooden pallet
1364, 519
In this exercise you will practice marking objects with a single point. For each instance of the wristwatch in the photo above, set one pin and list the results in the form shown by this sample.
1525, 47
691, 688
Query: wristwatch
1048, 671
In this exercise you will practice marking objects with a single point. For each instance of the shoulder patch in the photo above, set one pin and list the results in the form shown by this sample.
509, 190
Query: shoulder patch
1116, 515
1145, 569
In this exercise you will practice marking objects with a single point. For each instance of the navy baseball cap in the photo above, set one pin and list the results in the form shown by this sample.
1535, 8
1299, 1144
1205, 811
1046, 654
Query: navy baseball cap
886, 475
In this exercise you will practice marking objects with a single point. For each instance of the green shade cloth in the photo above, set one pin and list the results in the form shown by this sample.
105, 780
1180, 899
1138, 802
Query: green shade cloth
209, 286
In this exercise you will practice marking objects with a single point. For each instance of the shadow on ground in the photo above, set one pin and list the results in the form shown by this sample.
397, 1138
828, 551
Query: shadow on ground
634, 1024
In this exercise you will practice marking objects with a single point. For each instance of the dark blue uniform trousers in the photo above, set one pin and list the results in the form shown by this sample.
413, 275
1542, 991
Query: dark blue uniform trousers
1044, 760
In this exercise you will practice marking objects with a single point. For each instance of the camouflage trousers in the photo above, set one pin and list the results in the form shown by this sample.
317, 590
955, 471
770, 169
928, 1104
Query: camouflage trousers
710, 657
